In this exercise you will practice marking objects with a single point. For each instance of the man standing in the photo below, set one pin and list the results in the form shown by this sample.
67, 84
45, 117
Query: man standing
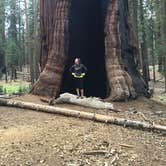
78, 72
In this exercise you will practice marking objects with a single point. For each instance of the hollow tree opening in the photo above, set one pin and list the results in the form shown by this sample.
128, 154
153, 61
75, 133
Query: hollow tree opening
101, 39
86, 41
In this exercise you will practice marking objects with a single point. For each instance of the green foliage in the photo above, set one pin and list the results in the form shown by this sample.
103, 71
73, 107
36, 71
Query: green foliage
4, 91
23, 89
13, 33
1, 89
14, 88
0, 74
11, 53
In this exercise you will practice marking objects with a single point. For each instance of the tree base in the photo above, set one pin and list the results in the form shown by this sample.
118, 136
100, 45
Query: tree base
112, 71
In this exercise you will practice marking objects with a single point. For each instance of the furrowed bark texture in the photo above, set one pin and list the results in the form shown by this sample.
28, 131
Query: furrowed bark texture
124, 80
54, 46
47, 22
119, 80
128, 49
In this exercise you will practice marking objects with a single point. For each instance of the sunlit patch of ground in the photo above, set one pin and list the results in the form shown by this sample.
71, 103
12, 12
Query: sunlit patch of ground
33, 138
158, 86
14, 135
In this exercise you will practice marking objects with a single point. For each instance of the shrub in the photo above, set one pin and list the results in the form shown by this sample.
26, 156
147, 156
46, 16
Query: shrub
5, 91
23, 89
1, 89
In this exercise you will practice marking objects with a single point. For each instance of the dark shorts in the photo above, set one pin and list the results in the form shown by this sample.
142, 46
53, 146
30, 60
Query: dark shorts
79, 83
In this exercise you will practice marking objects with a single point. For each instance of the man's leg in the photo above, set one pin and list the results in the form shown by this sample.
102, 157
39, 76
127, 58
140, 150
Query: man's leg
82, 87
82, 93
78, 92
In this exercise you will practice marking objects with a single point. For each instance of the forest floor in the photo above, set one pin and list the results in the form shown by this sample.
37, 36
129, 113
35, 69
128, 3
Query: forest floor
29, 138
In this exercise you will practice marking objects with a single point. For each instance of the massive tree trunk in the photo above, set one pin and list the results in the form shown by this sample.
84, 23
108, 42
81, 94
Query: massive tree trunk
96, 31
53, 46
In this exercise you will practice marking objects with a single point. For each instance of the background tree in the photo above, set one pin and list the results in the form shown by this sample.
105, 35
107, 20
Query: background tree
29, 49
13, 41
144, 49
163, 37
12, 38
2, 38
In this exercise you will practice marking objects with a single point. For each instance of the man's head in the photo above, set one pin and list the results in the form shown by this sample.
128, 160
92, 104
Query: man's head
77, 61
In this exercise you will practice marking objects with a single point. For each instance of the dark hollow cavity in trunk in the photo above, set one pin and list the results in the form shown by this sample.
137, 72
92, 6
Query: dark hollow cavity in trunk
98, 32
86, 41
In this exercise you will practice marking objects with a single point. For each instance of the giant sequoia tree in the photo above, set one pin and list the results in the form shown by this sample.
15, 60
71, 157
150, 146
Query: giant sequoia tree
99, 33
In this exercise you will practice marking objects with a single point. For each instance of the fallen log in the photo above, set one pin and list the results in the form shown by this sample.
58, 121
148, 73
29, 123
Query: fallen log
7, 96
82, 115
90, 102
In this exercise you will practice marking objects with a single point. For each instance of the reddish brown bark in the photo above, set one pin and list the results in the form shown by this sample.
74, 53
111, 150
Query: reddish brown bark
54, 50
120, 82
123, 78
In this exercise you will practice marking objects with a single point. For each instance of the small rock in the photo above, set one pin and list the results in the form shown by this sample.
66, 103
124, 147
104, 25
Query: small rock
105, 164
42, 161
28, 163
55, 145
61, 155
113, 151
124, 155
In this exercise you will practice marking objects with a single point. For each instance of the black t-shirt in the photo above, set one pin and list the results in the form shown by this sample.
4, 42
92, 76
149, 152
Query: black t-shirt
78, 69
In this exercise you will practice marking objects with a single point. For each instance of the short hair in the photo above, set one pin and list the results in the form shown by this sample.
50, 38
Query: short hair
77, 59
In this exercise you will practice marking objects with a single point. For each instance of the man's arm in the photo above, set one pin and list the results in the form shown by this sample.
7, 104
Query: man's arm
71, 69
85, 69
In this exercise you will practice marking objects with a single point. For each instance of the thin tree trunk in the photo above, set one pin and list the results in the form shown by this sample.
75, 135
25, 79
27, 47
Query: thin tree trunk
153, 43
158, 29
30, 55
163, 38
153, 57
25, 56
2, 38
35, 53
145, 63
20, 42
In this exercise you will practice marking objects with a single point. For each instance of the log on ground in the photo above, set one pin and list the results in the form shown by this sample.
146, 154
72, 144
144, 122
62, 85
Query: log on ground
90, 102
83, 115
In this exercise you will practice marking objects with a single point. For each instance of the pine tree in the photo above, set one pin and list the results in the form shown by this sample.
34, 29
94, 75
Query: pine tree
163, 38
144, 51
2, 38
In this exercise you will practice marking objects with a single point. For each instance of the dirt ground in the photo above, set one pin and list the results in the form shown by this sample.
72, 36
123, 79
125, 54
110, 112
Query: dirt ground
29, 138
